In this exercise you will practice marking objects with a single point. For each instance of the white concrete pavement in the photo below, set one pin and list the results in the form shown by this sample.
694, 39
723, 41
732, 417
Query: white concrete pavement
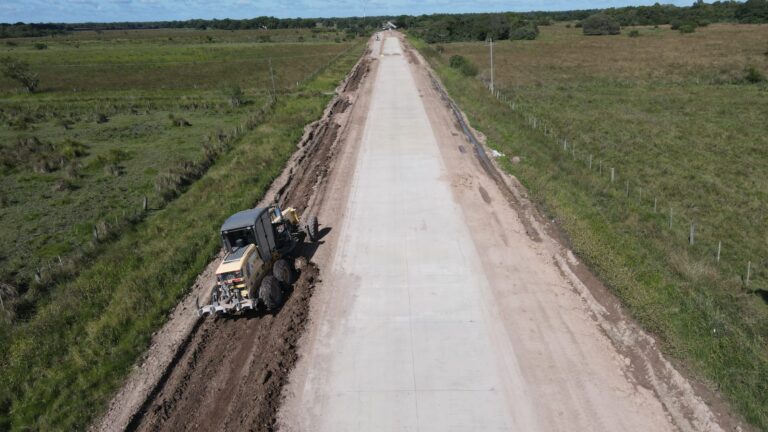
414, 351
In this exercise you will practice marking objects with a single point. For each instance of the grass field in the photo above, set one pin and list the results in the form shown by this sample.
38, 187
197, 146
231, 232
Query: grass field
675, 117
116, 113
67, 170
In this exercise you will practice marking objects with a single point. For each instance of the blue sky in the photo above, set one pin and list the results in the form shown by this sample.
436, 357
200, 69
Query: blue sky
160, 10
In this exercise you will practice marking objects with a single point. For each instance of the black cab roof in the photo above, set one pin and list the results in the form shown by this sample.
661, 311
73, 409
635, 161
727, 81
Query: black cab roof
242, 219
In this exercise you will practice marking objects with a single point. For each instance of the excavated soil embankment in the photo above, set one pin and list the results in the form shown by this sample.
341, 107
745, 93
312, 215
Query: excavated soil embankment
229, 373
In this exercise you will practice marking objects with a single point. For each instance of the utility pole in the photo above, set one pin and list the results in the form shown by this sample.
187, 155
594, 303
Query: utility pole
272, 76
491, 45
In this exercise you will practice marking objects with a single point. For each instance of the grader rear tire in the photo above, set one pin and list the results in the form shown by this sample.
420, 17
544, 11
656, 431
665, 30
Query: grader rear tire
313, 231
283, 271
270, 293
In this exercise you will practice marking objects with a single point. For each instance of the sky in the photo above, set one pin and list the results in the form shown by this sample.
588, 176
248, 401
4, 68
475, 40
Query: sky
165, 10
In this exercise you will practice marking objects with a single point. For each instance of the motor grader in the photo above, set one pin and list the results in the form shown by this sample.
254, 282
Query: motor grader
258, 265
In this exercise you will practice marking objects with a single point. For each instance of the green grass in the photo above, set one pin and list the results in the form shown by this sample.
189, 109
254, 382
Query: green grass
138, 80
674, 118
155, 63
61, 367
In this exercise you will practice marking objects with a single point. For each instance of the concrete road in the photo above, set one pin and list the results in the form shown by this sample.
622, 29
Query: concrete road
414, 352
438, 312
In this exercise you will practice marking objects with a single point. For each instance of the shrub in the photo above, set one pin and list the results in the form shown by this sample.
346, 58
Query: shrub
40, 46
578, 25
101, 118
178, 121
235, 95
529, 32
634, 33
568, 25
753, 75
600, 24
11, 43
18, 70
463, 65
688, 28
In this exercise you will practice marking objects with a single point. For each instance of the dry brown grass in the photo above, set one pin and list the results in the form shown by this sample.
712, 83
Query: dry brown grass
716, 53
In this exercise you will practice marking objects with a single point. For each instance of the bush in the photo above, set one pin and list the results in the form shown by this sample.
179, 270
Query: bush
600, 24
463, 65
18, 70
578, 25
529, 32
634, 33
41, 46
753, 75
687, 28
235, 95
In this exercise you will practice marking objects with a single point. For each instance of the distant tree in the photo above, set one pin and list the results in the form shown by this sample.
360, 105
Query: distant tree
600, 24
752, 11
529, 32
18, 70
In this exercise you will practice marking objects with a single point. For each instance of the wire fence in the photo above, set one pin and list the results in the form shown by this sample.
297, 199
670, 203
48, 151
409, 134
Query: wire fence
51, 269
640, 198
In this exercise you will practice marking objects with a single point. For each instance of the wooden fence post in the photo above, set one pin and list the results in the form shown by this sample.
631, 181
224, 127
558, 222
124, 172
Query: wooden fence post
692, 235
613, 174
749, 269
670, 217
719, 246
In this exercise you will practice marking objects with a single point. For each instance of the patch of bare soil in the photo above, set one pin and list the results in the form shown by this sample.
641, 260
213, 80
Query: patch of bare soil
231, 376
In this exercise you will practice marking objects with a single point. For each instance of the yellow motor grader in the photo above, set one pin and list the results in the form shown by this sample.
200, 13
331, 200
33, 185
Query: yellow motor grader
258, 266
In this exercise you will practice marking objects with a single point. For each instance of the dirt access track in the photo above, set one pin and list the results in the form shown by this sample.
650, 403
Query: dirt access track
446, 302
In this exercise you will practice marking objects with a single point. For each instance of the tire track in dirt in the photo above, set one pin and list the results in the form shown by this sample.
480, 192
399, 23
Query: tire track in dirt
228, 373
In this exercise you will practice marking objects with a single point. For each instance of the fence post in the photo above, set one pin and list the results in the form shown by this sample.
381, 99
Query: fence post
719, 246
655, 200
590, 162
749, 269
144, 204
613, 174
691, 236
670, 217
627, 184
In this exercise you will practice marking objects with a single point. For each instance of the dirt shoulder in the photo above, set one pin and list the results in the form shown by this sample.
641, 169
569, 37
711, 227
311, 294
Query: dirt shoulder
190, 377
497, 203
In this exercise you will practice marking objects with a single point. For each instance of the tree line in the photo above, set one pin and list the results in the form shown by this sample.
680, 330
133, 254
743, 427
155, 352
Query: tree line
443, 27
